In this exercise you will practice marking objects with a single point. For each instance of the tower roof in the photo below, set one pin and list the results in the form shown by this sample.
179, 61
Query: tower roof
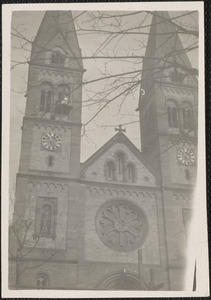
54, 23
164, 47
164, 41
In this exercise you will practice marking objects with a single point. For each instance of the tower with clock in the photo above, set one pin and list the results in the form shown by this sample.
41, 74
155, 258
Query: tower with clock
120, 219
168, 107
168, 123
48, 191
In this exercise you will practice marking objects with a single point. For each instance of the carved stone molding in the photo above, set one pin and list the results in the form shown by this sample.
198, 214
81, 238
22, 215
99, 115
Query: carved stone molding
55, 77
47, 127
183, 200
120, 192
178, 91
47, 186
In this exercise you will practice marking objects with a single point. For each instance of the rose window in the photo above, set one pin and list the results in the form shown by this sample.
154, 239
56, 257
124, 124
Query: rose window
121, 225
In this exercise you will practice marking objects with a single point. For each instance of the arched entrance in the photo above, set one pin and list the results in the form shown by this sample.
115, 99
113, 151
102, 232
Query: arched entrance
121, 280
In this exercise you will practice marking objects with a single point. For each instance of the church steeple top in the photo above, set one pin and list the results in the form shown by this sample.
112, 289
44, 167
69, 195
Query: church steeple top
57, 31
168, 96
165, 52
164, 41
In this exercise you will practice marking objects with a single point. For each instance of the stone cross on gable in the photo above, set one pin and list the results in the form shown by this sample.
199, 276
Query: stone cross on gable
120, 129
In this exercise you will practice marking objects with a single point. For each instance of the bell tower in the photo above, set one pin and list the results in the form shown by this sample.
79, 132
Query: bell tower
168, 121
51, 126
168, 107
48, 188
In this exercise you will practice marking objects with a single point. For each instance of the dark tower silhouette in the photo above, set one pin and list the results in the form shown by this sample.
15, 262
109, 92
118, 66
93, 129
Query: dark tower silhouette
48, 192
168, 121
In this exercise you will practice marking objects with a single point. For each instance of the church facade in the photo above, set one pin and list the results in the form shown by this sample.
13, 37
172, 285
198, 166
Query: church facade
118, 221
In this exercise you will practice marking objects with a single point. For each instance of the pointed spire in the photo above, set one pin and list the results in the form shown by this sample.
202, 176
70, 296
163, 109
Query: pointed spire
164, 48
164, 41
53, 23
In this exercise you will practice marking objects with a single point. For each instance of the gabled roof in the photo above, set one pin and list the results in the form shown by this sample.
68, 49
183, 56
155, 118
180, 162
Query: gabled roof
55, 22
120, 137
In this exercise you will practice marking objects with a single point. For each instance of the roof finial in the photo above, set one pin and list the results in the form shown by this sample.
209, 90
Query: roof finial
120, 129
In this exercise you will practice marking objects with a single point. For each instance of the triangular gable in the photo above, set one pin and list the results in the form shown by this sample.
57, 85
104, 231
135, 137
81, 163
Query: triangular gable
118, 143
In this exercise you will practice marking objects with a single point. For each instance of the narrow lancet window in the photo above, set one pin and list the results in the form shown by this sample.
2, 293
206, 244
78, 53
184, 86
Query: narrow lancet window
172, 112
45, 97
131, 172
110, 170
46, 219
187, 117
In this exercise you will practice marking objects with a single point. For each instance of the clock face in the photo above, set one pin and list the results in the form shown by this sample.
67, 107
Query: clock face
51, 141
186, 156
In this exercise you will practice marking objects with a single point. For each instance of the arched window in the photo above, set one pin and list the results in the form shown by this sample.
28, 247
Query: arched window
110, 172
120, 163
45, 97
46, 220
187, 116
42, 281
172, 112
177, 75
121, 280
58, 57
63, 105
64, 94
130, 172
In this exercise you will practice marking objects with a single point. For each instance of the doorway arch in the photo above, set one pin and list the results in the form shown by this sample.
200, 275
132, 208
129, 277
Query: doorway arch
121, 280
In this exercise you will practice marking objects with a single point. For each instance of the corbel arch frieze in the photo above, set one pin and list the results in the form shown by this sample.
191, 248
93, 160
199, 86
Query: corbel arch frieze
128, 193
89, 189
120, 193
66, 188
55, 128
173, 92
95, 190
101, 191
182, 199
134, 193
108, 192
115, 192
37, 185
148, 194
52, 187
46, 187
59, 187
54, 77
141, 194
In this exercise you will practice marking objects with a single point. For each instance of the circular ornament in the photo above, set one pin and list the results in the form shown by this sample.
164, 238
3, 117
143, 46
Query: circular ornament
51, 141
121, 225
185, 156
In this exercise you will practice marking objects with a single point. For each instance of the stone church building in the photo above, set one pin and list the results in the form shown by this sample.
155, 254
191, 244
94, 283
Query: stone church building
118, 221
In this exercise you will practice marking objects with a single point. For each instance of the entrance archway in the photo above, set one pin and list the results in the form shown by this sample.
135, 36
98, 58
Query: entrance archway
121, 280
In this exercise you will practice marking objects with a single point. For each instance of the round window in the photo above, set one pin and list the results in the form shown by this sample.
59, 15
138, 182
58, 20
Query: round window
121, 225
